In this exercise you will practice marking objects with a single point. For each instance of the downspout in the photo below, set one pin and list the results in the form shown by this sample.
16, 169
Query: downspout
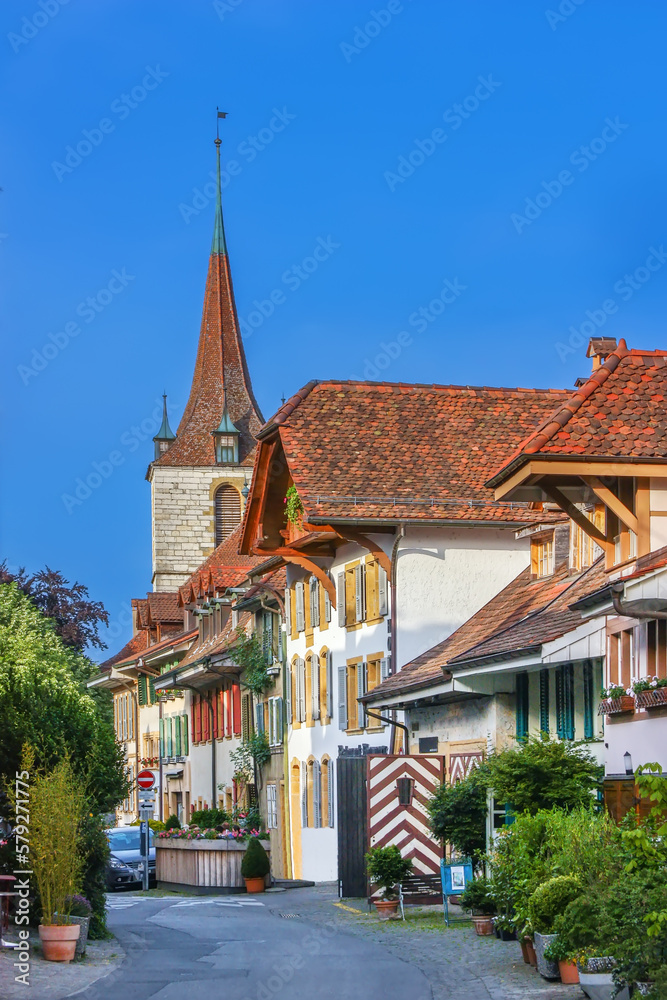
388, 721
394, 634
617, 590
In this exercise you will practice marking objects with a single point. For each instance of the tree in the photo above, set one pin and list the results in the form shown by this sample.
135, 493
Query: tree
540, 773
43, 705
458, 815
77, 619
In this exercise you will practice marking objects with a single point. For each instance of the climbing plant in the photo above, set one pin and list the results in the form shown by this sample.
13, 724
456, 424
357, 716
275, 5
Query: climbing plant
293, 505
250, 657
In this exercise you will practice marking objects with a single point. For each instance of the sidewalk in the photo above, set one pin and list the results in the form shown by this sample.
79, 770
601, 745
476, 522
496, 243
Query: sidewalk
56, 980
458, 964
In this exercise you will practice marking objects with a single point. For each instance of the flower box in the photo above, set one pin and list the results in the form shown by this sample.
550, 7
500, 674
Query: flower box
653, 698
617, 706
204, 866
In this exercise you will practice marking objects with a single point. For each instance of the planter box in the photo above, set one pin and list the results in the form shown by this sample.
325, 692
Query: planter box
656, 698
547, 969
617, 706
600, 986
204, 866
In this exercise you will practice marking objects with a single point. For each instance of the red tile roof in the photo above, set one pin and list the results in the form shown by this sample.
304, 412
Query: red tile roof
225, 639
619, 412
409, 452
223, 568
527, 612
137, 644
163, 607
220, 347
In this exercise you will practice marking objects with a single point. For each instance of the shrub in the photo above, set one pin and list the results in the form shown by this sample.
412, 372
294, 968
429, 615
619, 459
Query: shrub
552, 899
385, 867
206, 818
172, 823
78, 906
95, 852
255, 862
156, 825
478, 897
458, 816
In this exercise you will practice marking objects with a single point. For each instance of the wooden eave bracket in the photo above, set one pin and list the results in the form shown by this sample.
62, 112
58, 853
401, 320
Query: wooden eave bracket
573, 511
367, 543
611, 501
299, 559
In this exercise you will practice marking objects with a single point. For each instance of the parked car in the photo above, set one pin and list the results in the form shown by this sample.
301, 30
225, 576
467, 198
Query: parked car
124, 867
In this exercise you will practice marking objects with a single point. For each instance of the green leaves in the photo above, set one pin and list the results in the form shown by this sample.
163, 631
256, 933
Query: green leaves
458, 816
249, 655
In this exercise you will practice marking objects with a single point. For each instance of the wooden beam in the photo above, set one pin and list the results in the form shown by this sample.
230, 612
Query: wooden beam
565, 467
574, 513
300, 560
611, 501
643, 508
367, 543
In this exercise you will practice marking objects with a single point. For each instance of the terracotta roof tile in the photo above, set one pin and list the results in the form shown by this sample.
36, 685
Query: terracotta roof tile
413, 452
163, 607
223, 568
137, 644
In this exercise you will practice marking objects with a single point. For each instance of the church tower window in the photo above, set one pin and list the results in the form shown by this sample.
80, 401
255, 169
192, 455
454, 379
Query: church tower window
227, 504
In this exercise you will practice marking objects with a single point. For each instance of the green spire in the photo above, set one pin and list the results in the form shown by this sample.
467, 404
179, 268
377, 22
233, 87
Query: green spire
165, 435
219, 245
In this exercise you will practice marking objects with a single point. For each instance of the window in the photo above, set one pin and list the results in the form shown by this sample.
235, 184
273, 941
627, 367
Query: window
275, 721
271, 807
314, 602
584, 550
326, 685
227, 508
656, 645
376, 590
621, 659
521, 706
246, 717
299, 593
356, 687
589, 701
298, 690
565, 701
542, 554
268, 640
314, 679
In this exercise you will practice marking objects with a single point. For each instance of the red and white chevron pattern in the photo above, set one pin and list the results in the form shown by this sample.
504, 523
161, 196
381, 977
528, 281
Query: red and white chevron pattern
461, 765
405, 826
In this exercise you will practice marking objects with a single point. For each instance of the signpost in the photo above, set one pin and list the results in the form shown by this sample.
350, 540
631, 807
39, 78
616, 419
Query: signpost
146, 783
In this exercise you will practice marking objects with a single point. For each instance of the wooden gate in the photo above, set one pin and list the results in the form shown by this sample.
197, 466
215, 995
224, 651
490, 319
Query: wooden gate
351, 816
399, 788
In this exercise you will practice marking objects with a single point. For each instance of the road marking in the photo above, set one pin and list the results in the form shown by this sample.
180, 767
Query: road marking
217, 902
350, 909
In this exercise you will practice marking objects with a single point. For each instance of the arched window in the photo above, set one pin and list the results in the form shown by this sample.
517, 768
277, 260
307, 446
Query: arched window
227, 503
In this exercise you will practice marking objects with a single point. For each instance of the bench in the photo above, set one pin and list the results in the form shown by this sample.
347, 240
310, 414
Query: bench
420, 890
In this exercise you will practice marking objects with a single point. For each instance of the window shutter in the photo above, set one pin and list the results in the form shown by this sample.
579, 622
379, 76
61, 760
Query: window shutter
288, 610
384, 668
521, 706
142, 690
382, 591
330, 684
288, 693
279, 724
161, 729
342, 697
227, 504
152, 697
327, 606
236, 708
300, 610
259, 718
315, 686
170, 740
361, 690
560, 718
314, 602
304, 793
340, 598
302, 689
184, 735
267, 637
330, 791
544, 701
359, 593
317, 794
178, 751
589, 725
569, 700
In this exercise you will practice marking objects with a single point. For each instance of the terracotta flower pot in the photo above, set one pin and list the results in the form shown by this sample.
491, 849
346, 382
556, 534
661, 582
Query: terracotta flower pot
532, 954
59, 941
386, 908
254, 885
569, 973
483, 925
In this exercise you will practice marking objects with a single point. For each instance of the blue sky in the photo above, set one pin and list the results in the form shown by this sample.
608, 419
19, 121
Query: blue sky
487, 178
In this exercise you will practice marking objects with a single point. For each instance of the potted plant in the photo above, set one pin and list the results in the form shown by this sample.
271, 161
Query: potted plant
616, 700
57, 805
559, 951
255, 866
504, 927
386, 868
650, 692
478, 898
547, 902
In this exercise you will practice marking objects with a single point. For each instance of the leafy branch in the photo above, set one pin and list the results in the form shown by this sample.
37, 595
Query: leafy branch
293, 506
250, 657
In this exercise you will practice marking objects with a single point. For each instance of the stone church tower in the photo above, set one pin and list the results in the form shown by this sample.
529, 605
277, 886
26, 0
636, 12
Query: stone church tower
200, 476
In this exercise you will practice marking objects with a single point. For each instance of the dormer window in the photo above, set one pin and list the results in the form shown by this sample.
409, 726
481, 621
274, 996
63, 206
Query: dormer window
226, 438
542, 554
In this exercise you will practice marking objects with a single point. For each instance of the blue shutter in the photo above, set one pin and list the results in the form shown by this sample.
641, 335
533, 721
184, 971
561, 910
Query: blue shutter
589, 724
521, 706
544, 701
259, 718
342, 698
565, 701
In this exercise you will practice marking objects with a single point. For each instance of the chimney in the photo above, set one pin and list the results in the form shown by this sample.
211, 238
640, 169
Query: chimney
599, 349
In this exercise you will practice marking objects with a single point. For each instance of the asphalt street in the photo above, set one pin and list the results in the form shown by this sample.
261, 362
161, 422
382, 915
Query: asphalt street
245, 948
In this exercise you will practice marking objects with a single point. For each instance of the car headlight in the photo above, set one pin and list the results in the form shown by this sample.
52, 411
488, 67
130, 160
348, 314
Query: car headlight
116, 862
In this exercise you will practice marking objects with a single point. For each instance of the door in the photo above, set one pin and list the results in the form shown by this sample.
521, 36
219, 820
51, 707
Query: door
351, 801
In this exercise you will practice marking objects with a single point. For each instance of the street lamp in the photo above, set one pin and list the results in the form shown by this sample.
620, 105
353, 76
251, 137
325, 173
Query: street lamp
627, 760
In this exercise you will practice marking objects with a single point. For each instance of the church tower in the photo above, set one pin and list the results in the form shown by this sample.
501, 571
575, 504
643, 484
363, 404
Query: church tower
200, 476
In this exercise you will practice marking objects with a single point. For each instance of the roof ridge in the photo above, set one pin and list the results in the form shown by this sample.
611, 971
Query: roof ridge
288, 407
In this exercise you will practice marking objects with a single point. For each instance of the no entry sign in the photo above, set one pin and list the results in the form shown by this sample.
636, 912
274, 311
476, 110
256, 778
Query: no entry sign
145, 779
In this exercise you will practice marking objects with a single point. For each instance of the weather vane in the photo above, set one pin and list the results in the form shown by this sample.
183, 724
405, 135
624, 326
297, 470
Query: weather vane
221, 114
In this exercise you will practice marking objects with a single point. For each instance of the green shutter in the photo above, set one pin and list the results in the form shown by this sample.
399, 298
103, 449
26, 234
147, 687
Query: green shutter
565, 701
177, 737
521, 706
170, 739
184, 735
151, 690
589, 724
569, 693
142, 690
162, 753
544, 701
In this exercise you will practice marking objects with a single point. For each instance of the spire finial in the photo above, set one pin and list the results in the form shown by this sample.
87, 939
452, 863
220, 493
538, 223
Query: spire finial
219, 244
165, 435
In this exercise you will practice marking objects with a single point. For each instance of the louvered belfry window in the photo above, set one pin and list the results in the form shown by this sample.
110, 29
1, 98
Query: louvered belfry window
227, 512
